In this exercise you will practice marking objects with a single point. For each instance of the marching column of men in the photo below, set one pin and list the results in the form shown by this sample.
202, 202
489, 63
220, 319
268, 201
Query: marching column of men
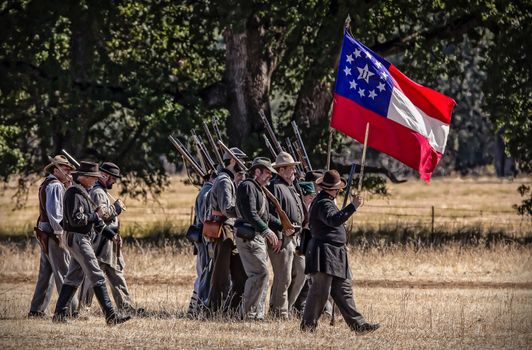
72, 224
78, 231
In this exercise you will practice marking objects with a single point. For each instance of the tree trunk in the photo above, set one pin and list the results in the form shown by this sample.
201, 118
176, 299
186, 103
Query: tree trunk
247, 78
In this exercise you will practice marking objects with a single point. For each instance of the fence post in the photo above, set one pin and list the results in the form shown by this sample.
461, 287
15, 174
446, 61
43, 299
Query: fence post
432, 223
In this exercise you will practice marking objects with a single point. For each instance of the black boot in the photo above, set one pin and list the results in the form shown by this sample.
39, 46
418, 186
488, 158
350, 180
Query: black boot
365, 328
111, 317
62, 308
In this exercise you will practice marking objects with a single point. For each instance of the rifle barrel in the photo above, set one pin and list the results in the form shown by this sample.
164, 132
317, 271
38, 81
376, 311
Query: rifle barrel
213, 144
270, 131
70, 158
301, 144
186, 155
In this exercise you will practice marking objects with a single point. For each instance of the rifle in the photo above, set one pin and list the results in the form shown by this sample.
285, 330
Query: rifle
269, 146
269, 129
349, 183
204, 154
294, 155
187, 157
285, 220
301, 146
70, 158
217, 130
213, 144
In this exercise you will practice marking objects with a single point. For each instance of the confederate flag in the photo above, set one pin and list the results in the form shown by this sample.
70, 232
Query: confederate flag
407, 121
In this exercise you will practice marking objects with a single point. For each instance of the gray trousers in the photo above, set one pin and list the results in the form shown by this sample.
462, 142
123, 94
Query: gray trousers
117, 284
55, 265
254, 256
83, 262
298, 279
202, 259
341, 291
282, 277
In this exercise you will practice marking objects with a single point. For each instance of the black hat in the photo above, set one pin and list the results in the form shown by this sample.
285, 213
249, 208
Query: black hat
87, 169
262, 162
331, 180
313, 175
110, 169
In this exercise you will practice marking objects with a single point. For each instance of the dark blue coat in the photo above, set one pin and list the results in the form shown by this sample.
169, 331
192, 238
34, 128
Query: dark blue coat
327, 251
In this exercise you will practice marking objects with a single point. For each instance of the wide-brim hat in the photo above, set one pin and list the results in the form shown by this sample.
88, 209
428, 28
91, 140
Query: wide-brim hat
331, 180
87, 169
236, 151
284, 159
56, 161
110, 169
262, 162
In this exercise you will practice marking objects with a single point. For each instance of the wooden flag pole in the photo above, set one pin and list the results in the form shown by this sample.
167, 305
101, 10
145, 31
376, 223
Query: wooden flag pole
329, 146
363, 161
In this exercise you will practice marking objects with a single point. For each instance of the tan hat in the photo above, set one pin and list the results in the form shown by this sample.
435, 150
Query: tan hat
284, 159
262, 162
331, 180
58, 160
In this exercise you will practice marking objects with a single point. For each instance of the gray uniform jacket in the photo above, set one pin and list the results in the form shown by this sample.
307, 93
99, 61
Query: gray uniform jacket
54, 206
289, 200
222, 198
327, 251
252, 207
108, 252
201, 206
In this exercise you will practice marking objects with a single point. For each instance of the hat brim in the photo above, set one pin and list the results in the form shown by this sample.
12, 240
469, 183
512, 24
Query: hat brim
337, 186
88, 173
270, 168
110, 173
280, 165
49, 167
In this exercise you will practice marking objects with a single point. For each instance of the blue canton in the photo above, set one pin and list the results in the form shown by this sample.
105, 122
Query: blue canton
363, 77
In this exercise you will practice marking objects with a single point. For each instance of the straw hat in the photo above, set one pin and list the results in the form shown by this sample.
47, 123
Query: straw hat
58, 160
284, 159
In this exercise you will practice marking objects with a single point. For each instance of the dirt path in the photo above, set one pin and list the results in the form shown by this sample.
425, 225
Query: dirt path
357, 283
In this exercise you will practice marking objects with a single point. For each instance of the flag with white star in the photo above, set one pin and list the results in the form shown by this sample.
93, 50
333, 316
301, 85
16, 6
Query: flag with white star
407, 121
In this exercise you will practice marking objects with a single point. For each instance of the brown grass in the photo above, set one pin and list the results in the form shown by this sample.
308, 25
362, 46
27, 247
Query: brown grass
450, 297
481, 202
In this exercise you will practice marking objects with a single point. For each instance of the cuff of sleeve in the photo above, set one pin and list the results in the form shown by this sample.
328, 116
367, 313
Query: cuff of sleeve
351, 207
118, 208
265, 232
94, 218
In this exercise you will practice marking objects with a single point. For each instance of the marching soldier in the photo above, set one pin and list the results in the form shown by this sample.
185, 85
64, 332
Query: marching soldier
201, 288
326, 257
283, 189
252, 232
227, 272
299, 277
54, 256
108, 251
82, 219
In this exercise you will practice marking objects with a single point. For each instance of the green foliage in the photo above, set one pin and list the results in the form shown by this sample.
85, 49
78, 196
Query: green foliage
525, 208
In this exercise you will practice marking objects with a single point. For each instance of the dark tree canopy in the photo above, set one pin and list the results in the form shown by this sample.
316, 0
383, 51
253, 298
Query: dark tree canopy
109, 80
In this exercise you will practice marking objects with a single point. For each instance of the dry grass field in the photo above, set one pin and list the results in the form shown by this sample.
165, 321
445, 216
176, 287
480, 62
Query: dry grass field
447, 297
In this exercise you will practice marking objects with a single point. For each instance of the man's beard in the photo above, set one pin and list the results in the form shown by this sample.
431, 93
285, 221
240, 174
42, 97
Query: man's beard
109, 186
237, 168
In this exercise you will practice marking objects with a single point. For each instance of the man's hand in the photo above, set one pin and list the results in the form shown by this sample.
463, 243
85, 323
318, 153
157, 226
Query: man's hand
272, 239
289, 231
120, 204
357, 200
118, 240
61, 239
99, 212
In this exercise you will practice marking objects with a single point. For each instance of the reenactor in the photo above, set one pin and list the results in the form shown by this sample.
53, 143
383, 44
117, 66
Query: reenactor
284, 190
228, 275
53, 264
252, 233
82, 219
326, 257
200, 293
108, 252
